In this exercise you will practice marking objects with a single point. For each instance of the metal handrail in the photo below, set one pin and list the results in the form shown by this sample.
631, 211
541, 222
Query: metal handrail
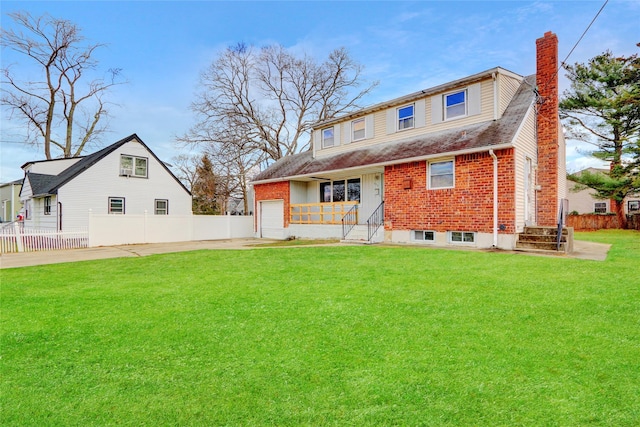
349, 220
561, 214
375, 221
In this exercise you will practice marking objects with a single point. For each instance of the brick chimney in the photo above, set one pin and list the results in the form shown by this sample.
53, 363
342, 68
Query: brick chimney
548, 127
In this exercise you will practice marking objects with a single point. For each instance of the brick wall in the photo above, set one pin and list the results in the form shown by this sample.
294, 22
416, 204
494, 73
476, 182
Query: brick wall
467, 207
273, 191
548, 127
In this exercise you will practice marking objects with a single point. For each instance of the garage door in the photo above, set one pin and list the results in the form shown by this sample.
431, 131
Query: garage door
272, 219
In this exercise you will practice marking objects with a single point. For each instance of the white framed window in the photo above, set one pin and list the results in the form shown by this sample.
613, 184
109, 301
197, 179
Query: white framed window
133, 166
462, 237
327, 138
161, 207
47, 205
340, 191
633, 206
455, 104
358, 129
116, 205
600, 207
406, 117
423, 236
441, 174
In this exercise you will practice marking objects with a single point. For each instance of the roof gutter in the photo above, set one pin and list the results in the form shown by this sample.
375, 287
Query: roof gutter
388, 163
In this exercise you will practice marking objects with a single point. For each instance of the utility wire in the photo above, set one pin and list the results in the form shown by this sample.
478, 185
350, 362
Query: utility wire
563, 63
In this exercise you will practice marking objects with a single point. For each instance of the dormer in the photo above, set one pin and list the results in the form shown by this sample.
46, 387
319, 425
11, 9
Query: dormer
474, 99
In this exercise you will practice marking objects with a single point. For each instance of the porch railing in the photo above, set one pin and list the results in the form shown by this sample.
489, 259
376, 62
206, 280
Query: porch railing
319, 213
375, 221
349, 220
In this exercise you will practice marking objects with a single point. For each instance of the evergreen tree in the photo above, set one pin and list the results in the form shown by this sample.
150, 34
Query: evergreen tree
602, 108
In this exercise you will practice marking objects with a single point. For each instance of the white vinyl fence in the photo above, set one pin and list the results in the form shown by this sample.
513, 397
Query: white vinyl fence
17, 238
108, 230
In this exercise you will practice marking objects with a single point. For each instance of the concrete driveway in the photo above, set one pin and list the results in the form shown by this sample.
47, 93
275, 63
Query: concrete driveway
582, 250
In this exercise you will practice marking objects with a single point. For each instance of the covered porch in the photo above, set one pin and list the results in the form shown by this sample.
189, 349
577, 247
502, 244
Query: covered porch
322, 206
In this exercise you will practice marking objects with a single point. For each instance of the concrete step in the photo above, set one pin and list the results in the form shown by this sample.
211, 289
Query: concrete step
544, 231
540, 238
546, 246
360, 233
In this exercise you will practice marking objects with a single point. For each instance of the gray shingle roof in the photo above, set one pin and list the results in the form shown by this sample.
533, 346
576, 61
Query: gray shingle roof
473, 137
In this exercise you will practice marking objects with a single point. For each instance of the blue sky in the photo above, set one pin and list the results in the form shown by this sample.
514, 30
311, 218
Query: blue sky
162, 46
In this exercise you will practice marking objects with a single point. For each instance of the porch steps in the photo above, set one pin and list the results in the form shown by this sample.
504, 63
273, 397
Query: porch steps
359, 234
544, 240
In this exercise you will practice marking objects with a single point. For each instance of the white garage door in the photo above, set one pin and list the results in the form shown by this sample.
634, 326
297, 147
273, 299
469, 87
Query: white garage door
272, 219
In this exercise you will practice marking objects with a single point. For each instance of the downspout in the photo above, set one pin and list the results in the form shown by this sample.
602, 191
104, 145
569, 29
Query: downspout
495, 198
495, 96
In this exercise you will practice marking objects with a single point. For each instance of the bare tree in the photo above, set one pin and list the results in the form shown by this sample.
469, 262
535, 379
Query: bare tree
184, 167
264, 101
52, 107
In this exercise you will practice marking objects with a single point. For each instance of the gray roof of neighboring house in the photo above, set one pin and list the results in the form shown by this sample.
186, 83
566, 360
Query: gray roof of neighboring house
49, 184
16, 182
469, 138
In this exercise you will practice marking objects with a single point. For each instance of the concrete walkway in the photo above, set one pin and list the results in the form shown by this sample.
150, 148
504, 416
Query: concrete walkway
582, 250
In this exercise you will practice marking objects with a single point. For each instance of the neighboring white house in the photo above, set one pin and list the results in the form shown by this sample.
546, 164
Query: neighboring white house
584, 202
125, 178
10, 196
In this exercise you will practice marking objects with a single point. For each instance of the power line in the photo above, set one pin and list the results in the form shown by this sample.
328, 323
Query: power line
562, 64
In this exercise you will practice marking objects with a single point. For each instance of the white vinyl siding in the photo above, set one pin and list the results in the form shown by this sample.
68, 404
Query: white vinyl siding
525, 147
90, 190
507, 88
427, 118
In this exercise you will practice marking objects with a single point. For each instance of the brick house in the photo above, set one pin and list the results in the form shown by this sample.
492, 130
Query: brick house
470, 162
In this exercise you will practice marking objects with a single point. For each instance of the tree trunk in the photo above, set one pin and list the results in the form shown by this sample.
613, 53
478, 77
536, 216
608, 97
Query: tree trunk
618, 207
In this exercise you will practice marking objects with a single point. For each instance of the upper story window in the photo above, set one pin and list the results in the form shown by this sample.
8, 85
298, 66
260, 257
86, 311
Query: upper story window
133, 166
47, 205
455, 105
358, 129
327, 138
441, 174
405, 117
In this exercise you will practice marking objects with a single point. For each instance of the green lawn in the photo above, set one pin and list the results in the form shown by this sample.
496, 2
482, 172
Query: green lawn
353, 335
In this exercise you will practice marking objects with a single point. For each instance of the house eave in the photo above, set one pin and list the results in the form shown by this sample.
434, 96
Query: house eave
389, 163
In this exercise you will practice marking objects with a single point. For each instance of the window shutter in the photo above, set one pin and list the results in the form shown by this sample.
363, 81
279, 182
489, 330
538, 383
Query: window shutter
420, 113
316, 140
436, 109
347, 133
475, 99
391, 121
368, 126
336, 135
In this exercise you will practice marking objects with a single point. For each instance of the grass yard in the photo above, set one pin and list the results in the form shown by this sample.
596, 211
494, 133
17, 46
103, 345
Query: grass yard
353, 335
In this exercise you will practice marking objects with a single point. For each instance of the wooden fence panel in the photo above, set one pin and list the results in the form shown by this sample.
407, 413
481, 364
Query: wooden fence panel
633, 221
592, 222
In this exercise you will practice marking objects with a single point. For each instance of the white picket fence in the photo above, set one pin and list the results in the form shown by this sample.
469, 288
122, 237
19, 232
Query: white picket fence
18, 238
